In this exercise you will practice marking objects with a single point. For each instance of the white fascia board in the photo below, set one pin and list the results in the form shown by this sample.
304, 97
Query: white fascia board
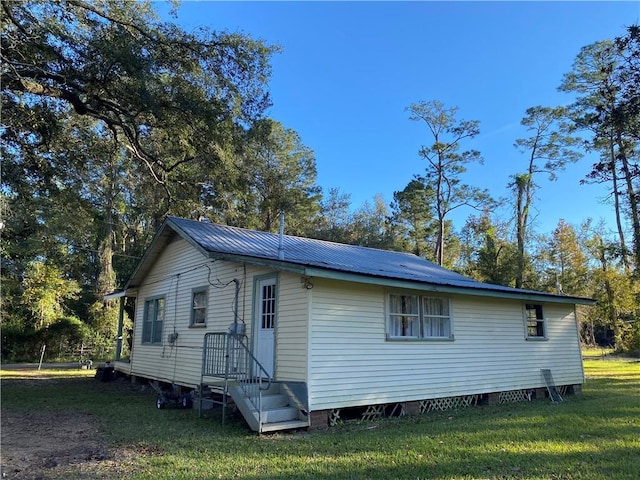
115, 295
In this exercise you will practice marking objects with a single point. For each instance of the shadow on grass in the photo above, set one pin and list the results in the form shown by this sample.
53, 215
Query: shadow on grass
588, 437
603, 464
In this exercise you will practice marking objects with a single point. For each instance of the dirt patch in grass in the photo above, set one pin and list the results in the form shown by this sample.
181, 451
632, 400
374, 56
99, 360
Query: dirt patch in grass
56, 445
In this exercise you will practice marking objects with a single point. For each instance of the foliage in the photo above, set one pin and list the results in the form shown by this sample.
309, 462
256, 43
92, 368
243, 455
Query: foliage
369, 226
169, 96
62, 338
20, 344
412, 217
44, 291
567, 263
488, 255
333, 221
277, 174
69, 329
604, 77
66, 336
630, 338
174, 101
445, 164
113, 118
103, 321
617, 300
549, 149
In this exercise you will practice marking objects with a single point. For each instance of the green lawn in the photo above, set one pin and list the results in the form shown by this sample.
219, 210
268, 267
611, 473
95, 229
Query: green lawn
595, 436
591, 352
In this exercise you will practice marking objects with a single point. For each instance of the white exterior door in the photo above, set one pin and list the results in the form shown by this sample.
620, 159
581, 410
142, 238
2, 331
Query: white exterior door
266, 323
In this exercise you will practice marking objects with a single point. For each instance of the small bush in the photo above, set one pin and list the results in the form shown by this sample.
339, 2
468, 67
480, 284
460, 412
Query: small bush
20, 344
630, 339
65, 336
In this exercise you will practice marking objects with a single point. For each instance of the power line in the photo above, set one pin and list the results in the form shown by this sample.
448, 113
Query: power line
93, 250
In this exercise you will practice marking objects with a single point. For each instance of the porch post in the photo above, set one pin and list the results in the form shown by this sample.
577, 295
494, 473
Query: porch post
120, 325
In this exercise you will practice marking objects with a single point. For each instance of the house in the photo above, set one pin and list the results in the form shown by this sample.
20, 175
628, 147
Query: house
318, 329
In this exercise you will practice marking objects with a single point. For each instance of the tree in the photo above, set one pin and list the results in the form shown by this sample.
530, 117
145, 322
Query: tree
73, 213
412, 217
549, 149
627, 118
334, 220
603, 76
487, 253
111, 119
567, 267
170, 97
45, 291
370, 226
445, 164
614, 290
277, 173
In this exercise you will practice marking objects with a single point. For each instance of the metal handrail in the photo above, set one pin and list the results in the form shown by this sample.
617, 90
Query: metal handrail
226, 355
252, 377
214, 364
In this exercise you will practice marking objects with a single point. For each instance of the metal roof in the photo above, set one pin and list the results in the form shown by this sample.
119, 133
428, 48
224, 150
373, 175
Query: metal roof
320, 258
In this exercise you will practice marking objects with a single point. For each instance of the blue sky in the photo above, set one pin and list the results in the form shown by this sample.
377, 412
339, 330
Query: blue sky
348, 70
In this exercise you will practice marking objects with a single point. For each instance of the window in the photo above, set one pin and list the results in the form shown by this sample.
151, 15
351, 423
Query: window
199, 307
268, 307
435, 317
535, 321
404, 316
413, 316
153, 320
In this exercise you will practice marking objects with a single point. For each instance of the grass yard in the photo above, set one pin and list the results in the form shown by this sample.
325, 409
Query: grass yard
594, 352
595, 436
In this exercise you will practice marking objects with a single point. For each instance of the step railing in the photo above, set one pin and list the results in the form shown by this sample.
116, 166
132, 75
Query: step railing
251, 376
226, 355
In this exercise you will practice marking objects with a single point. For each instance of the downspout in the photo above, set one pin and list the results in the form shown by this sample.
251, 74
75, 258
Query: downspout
235, 304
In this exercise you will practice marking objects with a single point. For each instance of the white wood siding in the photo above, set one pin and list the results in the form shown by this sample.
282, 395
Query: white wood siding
179, 269
292, 328
352, 363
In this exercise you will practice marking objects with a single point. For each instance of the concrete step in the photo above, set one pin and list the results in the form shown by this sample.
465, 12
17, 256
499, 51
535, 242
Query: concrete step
276, 415
274, 401
290, 425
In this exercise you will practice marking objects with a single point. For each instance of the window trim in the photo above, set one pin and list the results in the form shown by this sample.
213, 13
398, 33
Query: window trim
153, 323
540, 322
192, 309
421, 318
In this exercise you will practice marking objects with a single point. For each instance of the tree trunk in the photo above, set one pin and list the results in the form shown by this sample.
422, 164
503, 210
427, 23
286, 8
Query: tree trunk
522, 211
439, 253
439, 250
616, 198
106, 276
611, 310
633, 200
